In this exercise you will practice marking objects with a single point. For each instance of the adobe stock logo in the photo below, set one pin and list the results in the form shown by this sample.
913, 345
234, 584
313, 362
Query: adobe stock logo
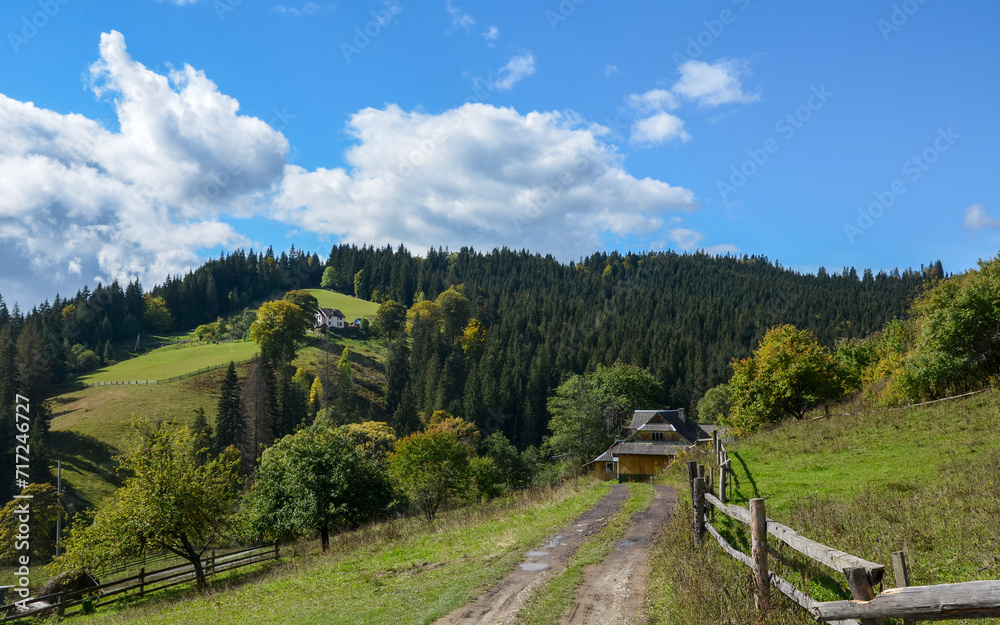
914, 168
786, 126
30, 28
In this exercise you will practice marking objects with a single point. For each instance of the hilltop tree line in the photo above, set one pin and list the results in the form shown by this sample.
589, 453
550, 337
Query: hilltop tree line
485, 336
946, 344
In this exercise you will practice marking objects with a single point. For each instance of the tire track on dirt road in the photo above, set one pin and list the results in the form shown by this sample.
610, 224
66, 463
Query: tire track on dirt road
614, 591
500, 604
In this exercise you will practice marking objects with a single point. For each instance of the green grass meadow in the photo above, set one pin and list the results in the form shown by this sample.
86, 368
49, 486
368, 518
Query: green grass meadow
173, 360
401, 572
352, 307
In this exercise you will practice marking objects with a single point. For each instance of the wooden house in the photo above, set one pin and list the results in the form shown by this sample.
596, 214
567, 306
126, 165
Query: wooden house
655, 437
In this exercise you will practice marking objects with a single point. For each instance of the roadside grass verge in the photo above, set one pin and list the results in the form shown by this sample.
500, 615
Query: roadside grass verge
553, 598
400, 572
925, 481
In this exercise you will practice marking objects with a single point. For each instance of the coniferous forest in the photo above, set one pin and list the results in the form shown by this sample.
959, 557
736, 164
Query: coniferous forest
684, 317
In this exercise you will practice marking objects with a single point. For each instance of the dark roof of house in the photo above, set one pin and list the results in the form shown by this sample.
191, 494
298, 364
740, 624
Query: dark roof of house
330, 312
649, 449
667, 421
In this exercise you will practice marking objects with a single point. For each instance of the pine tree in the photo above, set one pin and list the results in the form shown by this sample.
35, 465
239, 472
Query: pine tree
202, 432
397, 373
258, 413
229, 420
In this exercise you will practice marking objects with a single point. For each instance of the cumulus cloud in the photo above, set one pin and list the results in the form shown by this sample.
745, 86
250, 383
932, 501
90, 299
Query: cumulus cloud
83, 200
658, 129
976, 218
713, 84
520, 66
653, 100
477, 175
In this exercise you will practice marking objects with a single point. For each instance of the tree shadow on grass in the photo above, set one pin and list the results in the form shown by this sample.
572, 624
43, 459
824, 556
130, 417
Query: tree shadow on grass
84, 454
746, 471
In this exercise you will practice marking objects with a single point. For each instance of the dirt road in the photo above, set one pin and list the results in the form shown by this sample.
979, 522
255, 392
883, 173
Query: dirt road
614, 591
500, 604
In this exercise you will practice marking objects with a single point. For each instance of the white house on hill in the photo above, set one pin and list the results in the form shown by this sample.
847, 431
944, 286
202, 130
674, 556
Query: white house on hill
329, 318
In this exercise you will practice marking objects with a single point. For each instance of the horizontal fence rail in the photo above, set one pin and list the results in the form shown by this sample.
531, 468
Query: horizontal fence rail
139, 585
967, 600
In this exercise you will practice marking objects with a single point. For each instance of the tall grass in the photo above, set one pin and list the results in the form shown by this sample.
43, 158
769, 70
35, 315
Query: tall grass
924, 481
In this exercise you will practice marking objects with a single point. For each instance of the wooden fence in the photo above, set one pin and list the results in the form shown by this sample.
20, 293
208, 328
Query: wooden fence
176, 378
139, 585
968, 600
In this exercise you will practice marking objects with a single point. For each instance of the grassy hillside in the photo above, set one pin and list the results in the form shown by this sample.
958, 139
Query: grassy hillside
923, 480
89, 424
402, 571
352, 307
174, 360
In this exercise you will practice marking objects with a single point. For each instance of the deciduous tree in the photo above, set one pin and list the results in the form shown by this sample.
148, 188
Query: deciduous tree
278, 330
169, 502
314, 480
432, 469
788, 373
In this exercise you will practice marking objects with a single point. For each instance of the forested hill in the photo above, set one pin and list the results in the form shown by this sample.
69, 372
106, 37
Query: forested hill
682, 316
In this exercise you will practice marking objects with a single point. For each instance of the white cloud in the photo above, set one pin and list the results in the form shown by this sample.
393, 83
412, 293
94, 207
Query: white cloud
460, 20
715, 84
658, 129
180, 2
142, 201
976, 218
510, 74
308, 8
490, 35
478, 175
610, 71
685, 238
652, 101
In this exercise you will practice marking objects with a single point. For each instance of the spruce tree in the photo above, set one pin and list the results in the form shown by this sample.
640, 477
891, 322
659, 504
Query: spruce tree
228, 420
202, 431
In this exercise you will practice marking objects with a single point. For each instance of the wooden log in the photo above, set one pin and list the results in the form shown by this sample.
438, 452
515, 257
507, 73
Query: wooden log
967, 600
902, 575
699, 510
758, 536
803, 600
833, 558
861, 589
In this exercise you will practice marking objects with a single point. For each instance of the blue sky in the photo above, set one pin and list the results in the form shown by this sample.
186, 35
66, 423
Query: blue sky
142, 137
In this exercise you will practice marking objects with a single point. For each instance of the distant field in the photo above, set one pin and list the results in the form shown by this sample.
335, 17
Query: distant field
352, 307
170, 361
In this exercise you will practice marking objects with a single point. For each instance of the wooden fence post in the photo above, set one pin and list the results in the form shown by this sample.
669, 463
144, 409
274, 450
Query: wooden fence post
275, 550
861, 589
692, 473
699, 510
61, 610
902, 576
758, 535
723, 475
142, 581
715, 445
